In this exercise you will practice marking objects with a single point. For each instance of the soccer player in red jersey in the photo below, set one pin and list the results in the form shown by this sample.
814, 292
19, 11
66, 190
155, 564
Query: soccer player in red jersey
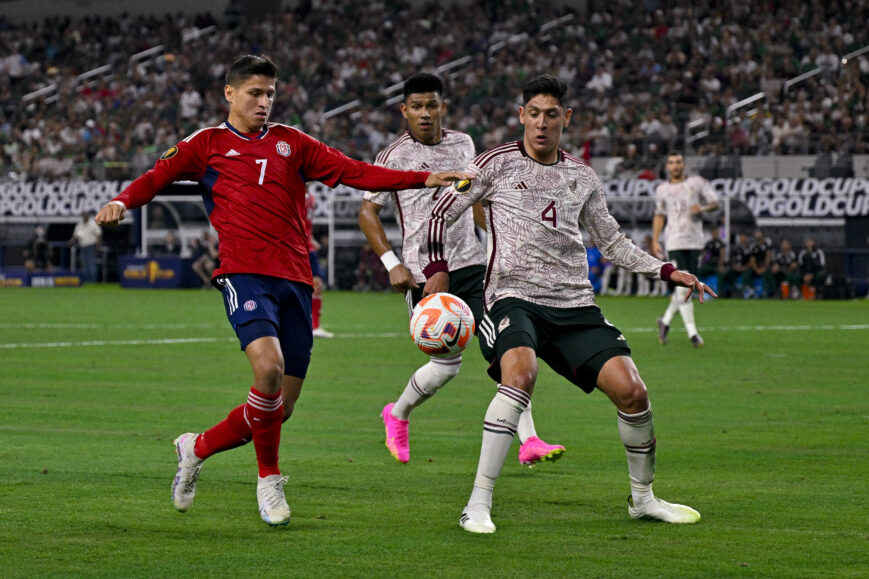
252, 175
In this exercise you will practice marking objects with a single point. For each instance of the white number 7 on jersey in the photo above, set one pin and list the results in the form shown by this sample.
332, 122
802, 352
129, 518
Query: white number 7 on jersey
262, 172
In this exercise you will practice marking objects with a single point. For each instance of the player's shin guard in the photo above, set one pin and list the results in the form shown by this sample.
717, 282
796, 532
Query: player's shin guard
637, 432
686, 310
424, 383
676, 298
233, 431
499, 427
265, 413
526, 425
316, 307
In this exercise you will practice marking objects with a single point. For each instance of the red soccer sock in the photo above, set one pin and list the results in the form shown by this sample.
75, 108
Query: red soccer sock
265, 414
316, 306
233, 431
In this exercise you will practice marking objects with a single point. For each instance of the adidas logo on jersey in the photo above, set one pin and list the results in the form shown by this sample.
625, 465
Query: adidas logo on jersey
520, 185
232, 153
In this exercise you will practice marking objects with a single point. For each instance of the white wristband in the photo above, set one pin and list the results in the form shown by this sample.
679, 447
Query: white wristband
389, 260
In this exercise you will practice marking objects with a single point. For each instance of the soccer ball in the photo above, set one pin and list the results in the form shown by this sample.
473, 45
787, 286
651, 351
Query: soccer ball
442, 325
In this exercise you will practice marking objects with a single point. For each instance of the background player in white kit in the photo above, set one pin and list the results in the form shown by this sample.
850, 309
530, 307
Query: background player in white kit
679, 203
539, 300
427, 144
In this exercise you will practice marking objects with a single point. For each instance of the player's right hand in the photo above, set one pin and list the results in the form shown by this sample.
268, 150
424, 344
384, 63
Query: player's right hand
111, 213
401, 279
657, 250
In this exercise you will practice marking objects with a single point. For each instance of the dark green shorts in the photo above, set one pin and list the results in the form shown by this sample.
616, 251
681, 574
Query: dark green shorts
575, 342
466, 284
685, 259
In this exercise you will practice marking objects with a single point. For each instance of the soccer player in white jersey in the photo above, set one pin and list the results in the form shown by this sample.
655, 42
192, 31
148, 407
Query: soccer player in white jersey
427, 144
539, 300
679, 203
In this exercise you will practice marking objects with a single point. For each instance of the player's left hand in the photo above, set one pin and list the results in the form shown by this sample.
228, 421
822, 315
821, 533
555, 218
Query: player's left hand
690, 281
445, 178
439, 282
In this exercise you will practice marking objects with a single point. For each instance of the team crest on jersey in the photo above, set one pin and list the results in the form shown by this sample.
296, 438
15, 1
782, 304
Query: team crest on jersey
170, 152
283, 149
503, 324
249, 306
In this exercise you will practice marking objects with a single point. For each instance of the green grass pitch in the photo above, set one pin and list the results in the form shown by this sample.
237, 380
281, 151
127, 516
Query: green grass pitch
765, 431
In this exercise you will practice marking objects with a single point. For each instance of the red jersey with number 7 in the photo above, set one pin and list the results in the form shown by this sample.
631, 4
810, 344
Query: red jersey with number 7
253, 186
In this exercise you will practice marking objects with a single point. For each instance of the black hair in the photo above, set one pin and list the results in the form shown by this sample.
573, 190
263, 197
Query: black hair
675, 153
544, 84
250, 65
423, 82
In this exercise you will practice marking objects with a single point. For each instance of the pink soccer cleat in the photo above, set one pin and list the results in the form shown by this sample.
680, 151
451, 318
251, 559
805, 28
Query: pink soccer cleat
535, 450
396, 435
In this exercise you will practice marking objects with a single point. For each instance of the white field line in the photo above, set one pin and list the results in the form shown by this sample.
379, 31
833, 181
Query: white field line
199, 340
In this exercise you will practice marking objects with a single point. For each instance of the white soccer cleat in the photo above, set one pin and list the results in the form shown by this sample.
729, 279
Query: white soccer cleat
663, 511
273, 507
189, 465
321, 333
477, 522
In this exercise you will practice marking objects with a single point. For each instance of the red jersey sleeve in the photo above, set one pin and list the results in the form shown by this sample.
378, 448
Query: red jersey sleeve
186, 160
331, 166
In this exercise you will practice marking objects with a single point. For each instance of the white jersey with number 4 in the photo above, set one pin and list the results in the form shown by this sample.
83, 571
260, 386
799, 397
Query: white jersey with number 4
674, 201
413, 206
534, 213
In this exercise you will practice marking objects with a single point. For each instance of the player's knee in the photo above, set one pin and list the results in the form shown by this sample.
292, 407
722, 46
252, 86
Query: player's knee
268, 372
522, 378
634, 397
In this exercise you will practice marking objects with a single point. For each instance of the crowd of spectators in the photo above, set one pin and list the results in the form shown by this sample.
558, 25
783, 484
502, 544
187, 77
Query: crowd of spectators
638, 73
756, 269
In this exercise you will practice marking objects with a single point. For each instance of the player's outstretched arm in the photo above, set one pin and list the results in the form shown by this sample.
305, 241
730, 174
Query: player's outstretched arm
111, 213
445, 178
690, 281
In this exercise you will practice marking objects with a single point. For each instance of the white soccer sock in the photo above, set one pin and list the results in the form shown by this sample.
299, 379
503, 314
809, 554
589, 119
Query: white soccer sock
499, 427
673, 306
686, 310
424, 383
637, 432
526, 425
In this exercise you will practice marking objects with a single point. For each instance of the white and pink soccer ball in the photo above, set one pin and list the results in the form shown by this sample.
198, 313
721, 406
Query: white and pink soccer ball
442, 325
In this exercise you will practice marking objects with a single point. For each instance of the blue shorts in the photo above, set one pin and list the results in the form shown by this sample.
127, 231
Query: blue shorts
315, 264
258, 306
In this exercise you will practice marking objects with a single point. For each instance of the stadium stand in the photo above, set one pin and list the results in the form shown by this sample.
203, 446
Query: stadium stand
100, 97
74, 92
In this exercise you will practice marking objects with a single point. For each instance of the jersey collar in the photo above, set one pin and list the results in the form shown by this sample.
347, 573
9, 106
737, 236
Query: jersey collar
559, 158
415, 140
243, 136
